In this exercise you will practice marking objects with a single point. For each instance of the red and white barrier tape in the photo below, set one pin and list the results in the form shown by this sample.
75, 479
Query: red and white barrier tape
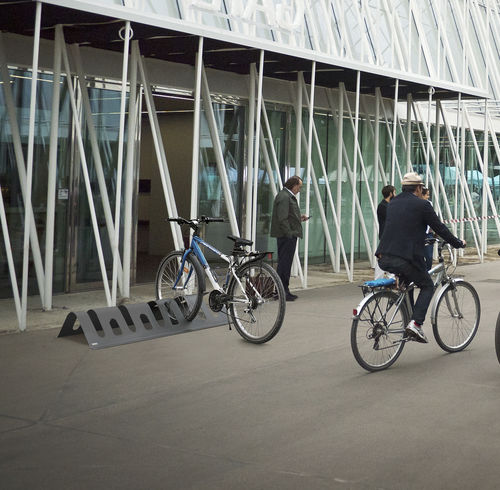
477, 218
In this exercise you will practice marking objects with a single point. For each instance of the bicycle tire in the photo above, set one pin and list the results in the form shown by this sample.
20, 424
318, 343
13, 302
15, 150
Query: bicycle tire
453, 333
375, 344
189, 293
497, 338
259, 318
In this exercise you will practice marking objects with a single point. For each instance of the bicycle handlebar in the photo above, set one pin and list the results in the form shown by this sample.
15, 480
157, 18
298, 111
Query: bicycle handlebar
193, 223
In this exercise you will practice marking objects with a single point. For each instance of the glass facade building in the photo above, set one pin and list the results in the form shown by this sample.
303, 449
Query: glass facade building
116, 114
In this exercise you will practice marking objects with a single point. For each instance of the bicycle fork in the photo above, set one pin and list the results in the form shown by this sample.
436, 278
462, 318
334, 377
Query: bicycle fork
454, 309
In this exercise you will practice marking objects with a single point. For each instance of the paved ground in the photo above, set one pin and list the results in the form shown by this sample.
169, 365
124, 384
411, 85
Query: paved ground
206, 410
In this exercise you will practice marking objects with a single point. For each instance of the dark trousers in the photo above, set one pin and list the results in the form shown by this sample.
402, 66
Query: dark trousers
412, 272
286, 251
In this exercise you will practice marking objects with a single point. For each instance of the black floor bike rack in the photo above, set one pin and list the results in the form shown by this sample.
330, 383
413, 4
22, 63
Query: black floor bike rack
124, 324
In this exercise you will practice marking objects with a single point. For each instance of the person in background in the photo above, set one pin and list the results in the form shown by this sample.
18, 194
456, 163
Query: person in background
286, 227
401, 248
388, 192
429, 249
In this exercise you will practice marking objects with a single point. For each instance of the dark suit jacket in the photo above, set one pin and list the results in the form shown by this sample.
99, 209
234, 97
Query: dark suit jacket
381, 215
406, 222
286, 221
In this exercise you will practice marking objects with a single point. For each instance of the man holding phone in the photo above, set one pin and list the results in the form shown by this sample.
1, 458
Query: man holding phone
286, 227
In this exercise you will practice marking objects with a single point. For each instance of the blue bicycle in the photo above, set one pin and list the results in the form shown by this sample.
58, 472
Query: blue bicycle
252, 293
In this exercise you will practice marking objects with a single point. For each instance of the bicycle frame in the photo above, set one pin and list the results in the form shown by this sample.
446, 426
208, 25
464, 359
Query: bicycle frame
195, 249
438, 275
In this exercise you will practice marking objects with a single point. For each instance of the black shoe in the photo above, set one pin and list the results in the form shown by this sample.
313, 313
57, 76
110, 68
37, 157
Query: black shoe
294, 296
291, 297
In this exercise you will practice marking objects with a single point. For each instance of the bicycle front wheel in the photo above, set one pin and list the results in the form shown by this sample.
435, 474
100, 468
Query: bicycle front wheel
497, 338
184, 286
256, 304
456, 318
378, 330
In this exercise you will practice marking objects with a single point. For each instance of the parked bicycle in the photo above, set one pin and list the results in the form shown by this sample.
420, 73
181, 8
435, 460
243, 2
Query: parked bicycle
252, 293
378, 327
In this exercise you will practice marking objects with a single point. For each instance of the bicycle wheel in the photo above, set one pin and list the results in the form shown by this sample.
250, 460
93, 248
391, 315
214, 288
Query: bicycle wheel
378, 330
186, 287
497, 338
456, 317
256, 307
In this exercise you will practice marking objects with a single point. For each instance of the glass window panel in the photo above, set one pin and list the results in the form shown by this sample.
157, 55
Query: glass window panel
230, 122
10, 182
105, 107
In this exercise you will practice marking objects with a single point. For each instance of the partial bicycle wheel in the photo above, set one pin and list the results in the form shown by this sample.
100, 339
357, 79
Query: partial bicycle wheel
184, 287
456, 317
256, 304
497, 337
378, 330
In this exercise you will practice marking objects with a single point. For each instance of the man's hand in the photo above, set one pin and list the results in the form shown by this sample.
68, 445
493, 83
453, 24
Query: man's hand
304, 217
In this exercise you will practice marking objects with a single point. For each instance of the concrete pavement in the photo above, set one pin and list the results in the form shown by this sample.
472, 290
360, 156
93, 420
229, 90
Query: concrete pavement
206, 410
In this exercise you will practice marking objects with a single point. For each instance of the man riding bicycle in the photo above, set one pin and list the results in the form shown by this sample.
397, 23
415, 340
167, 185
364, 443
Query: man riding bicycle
401, 247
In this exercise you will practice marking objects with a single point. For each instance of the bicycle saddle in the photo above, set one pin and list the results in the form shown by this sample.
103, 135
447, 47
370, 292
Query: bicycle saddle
240, 242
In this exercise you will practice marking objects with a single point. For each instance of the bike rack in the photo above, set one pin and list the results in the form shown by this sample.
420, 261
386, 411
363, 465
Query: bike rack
124, 324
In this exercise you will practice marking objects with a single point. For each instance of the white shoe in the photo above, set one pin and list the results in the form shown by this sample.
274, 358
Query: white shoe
416, 332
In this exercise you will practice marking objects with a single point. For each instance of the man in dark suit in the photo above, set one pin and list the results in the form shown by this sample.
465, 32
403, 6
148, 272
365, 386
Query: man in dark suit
401, 247
286, 226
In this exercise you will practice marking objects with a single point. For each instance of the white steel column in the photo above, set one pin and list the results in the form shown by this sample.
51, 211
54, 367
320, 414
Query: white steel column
250, 149
376, 144
196, 131
296, 267
298, 126
83, 164
457, 141
340, 170
437, 152
256, 156
51, 183
408, 133
133, 108
29, 173
354, 171
394, 122
212, 125
484, 228
308, 170
168, 191
119, 169
431, 93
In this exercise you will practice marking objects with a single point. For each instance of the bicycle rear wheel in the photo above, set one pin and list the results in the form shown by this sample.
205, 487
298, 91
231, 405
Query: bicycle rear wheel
457, 315
377, 331
257, 306
184, 287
